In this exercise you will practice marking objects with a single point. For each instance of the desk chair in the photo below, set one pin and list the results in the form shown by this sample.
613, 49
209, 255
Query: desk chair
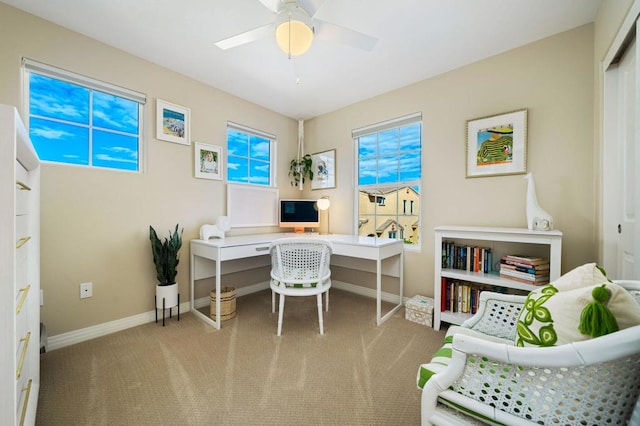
300, 267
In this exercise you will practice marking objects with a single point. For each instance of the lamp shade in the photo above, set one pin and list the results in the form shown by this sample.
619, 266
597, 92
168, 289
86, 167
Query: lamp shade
323, 203
294, 30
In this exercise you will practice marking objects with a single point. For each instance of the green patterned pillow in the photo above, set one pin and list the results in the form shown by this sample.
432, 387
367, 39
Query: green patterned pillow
578, 305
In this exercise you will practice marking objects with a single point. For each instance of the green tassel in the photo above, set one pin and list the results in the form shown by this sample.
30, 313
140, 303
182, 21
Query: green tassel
596, 319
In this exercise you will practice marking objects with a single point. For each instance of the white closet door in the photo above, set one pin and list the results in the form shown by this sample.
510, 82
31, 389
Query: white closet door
621, 156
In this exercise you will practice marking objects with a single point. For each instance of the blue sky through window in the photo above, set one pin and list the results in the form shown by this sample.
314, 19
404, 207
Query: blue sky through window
390, 156
249, 158
72, 124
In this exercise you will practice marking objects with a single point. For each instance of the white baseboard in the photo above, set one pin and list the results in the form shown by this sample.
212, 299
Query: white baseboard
66, 339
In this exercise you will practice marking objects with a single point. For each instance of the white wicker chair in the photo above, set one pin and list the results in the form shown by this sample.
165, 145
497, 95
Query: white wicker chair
300, 267
489, 380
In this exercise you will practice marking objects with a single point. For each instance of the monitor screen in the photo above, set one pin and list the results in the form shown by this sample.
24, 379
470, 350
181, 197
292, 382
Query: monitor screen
299, 214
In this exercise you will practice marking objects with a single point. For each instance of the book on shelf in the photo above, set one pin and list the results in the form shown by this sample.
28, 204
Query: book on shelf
527, 269
526, 260
461, 296
524, 275
466, 258
525, 278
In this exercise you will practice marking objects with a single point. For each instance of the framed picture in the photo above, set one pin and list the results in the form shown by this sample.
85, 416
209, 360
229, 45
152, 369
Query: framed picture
208, 161
172, 122
324, 170
497, 145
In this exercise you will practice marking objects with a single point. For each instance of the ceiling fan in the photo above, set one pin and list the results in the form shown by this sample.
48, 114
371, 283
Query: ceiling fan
295, 28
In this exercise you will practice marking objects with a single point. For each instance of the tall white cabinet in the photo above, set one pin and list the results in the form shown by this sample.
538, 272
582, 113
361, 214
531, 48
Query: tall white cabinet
501, 241
19, 272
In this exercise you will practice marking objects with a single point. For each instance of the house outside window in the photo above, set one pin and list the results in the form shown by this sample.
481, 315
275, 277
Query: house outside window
77, 120
388, 164
250, 155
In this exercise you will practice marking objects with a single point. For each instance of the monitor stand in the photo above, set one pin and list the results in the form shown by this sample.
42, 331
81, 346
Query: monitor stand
299, 229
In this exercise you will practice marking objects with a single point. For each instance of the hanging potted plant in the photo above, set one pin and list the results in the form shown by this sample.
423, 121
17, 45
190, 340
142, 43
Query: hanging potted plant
300, 170
166, 259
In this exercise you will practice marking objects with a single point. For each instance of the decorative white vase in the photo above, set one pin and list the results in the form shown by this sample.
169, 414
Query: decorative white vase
169, 293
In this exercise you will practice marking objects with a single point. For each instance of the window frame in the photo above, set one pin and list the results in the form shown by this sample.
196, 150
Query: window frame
392, 124
272, 153
30, 66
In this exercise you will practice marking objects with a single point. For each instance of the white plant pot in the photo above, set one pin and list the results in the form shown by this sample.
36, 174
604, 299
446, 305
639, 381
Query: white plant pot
169, 293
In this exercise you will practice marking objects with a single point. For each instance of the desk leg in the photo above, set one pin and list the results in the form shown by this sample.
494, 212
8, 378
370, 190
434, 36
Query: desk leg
218, 274
379, 317
192, 307
192, 274
379, 291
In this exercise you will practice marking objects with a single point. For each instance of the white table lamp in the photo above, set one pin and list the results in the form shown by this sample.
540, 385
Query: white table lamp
323, 205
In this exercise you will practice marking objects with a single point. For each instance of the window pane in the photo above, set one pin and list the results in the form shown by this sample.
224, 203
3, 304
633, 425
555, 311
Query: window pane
114, 150
388, 169
260, 148
237, 169
60, 142
410, 166
367, 172
259, 172
367, 146
53, 98
237, 143
115, 113
410, 137
388, 142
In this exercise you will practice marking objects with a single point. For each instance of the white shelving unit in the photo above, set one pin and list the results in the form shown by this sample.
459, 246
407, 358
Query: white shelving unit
19, 272
501, 241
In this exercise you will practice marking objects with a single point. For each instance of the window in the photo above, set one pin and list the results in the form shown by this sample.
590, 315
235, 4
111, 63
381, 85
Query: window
78, 120
249, 155
388, 161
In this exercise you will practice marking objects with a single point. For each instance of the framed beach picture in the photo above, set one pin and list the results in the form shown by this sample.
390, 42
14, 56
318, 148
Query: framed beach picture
497, 145
208, 161
172, 122
324, 170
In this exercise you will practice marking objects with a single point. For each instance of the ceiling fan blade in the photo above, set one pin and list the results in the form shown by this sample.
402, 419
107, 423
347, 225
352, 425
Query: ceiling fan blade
272, 5
336, 33
246, 37
310, 6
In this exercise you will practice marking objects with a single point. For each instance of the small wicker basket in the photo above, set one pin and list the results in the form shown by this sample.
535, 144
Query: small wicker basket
227, 303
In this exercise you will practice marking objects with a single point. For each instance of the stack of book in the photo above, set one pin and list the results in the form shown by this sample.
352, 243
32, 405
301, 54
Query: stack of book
525, 269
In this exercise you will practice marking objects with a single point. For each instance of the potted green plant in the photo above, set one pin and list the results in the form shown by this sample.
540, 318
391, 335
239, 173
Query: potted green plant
166, 258
301, 169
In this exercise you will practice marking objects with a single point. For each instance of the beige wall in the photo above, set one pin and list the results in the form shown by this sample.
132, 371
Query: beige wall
95, 223
553, 78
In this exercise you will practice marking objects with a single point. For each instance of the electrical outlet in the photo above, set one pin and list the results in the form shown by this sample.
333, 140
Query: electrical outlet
41, 297
86, 290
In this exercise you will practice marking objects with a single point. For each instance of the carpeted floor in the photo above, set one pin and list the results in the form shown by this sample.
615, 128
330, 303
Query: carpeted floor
187, 373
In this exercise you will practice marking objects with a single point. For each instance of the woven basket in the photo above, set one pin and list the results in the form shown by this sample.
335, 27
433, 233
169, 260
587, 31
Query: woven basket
227, 303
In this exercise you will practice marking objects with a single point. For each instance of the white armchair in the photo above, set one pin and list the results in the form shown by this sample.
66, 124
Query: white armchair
480, 376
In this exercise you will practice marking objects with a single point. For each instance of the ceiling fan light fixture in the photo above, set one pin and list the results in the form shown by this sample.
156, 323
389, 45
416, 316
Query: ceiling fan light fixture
294, 31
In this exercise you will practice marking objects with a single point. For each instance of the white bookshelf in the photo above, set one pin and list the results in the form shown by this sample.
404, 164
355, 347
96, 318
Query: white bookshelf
501, 241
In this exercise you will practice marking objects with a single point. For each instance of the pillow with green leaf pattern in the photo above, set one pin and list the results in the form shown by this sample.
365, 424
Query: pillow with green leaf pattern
579, 305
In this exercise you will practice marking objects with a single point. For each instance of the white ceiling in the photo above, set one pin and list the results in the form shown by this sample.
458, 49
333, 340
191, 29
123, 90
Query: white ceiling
417, 39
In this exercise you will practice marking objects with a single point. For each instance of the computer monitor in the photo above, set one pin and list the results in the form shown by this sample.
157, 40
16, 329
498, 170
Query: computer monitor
299, 214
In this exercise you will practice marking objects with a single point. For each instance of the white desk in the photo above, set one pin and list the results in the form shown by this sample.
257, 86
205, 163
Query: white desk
252, 246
